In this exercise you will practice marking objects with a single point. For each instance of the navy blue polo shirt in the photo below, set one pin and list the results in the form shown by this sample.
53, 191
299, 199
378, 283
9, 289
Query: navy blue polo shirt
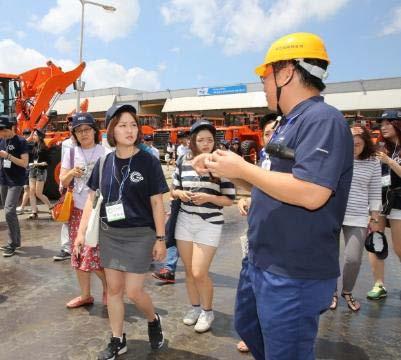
15, 175
289, 240
145, 179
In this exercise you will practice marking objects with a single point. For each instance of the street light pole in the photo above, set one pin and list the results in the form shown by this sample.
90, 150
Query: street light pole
79, 81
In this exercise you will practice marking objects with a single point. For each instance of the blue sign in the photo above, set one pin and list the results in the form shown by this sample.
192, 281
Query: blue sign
236, 89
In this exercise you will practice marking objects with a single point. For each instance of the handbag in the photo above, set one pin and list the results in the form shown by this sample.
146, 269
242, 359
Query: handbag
61, 211
175, 206
92, 229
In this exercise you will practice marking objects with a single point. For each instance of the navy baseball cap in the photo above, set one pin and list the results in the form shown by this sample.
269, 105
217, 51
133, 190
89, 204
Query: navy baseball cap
83, 119
26, 132
235, 141
148, 138
202, 124
7, 121
376, 243
391, 115
116, 109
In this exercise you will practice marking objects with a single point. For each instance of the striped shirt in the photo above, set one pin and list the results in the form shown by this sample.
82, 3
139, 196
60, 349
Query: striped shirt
190, 180
365, 194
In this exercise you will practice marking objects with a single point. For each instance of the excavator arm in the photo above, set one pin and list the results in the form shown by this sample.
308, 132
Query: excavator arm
38, 87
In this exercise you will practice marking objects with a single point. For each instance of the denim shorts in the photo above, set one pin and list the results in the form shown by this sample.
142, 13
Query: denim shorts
191, 227
38, 174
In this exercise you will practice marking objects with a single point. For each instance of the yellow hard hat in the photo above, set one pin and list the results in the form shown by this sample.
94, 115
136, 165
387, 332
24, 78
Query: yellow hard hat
294, 46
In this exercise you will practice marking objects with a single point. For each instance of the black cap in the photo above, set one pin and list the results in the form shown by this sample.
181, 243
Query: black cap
376, 243
116, 109
41, 133
391, 115
7, 121
202, 124
148, 137
26, 132
83, 119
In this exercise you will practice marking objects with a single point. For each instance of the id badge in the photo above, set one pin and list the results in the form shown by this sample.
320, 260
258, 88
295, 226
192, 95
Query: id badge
386, 180
115, 211
6, 164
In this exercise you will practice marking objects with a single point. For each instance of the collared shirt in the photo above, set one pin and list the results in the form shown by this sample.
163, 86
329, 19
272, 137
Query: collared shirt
290, 240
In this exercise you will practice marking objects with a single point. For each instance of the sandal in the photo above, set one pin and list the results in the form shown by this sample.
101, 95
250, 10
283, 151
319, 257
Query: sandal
33, 216
78, 301
241, 347
334, 302
351, 302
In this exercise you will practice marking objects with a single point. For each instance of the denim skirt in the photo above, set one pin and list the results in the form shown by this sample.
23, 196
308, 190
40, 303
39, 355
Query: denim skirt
126, 249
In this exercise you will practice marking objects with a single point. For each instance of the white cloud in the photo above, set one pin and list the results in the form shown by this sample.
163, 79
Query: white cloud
99, 23
63, 45
395, 25
245, 25
176, 50
102, 73
162, 67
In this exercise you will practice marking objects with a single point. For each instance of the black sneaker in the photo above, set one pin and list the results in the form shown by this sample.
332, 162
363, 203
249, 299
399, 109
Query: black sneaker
114, 348
164, 275
10, 251
62, 255
156, 338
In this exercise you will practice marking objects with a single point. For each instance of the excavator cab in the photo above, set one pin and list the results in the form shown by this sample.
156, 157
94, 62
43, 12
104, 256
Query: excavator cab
9, 87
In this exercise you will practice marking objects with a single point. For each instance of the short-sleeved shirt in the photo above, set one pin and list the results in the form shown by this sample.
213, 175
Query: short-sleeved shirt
15, 175
40, 155
145, 179
86, 159
186, 178
290, 240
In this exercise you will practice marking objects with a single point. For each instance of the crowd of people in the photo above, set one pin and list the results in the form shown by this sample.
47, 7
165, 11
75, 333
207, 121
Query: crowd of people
337, 180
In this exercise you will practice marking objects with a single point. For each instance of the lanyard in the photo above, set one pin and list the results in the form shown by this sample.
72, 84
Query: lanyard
281, 131
124, 178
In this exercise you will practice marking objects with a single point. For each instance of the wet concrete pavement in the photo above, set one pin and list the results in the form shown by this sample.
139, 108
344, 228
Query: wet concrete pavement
35, 323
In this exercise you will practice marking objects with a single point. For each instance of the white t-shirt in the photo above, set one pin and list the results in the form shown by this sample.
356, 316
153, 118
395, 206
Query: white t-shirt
84, 158
182, 150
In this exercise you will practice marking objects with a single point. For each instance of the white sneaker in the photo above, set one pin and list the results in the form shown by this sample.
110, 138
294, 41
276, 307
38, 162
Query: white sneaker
191, 317
204, 322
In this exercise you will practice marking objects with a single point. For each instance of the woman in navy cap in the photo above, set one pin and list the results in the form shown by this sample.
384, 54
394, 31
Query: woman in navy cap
199, 223
132, 224
38, 172
76, 167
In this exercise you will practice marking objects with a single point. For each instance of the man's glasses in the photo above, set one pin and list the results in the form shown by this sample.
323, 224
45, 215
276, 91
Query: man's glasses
268, 71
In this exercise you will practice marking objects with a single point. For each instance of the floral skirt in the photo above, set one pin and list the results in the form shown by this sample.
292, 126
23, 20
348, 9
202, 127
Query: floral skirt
89, 259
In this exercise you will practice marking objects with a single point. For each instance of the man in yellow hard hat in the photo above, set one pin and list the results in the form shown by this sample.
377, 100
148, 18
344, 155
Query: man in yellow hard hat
297, 208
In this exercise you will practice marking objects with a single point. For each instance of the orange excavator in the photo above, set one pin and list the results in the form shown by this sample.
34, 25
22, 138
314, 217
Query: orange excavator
30, 96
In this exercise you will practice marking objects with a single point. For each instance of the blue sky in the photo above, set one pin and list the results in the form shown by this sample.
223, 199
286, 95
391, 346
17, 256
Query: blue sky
159, 44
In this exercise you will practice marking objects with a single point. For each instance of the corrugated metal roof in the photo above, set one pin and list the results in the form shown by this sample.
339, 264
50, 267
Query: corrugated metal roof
96, 104
201, 103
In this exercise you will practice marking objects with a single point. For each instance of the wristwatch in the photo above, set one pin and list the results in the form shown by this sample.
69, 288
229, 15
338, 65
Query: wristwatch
160, 238
374, 220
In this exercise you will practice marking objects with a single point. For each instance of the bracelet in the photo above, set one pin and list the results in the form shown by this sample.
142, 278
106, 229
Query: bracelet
160, 238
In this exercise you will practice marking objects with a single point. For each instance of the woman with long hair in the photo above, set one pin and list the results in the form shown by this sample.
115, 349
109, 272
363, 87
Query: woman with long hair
38, 172
131, 232
363, 210
390, 156
76, 167
199, 224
